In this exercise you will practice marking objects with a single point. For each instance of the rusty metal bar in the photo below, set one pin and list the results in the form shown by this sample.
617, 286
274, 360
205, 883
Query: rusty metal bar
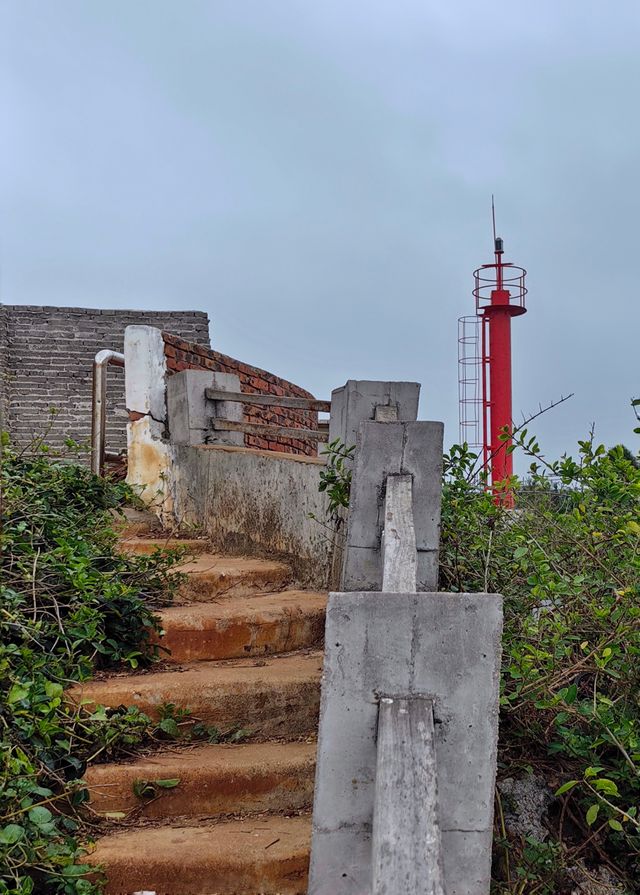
213, 394
102, 360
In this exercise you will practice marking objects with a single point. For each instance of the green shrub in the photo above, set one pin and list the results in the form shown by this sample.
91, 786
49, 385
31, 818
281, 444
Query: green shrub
567, 560
69, 603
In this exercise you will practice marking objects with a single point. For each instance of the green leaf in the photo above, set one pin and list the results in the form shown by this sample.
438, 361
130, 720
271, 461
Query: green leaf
170, 783
169, 726
11, 834
52, 689
17, 693
566, 787
74, 870
592, 814
142, 789
608, 787
40, 815
615, 825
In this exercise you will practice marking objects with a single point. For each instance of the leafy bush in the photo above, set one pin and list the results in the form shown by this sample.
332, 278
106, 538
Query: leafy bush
335, 479
69, 603
567, 560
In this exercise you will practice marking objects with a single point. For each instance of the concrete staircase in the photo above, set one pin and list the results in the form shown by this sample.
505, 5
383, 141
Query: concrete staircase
245, 652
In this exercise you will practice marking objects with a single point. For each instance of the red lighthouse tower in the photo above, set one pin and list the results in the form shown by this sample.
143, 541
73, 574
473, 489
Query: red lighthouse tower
485, 363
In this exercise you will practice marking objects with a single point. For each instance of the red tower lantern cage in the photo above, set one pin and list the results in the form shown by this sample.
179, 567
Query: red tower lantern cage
484, 364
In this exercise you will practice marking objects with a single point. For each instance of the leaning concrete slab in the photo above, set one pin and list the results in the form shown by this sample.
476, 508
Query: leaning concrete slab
399, 553
444, 647
407, 850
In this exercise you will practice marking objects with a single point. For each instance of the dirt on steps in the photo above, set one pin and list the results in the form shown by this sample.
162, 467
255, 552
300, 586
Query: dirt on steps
254, 626
146, 546
265, 854
277, 697
131, 523
213, 780
211, 576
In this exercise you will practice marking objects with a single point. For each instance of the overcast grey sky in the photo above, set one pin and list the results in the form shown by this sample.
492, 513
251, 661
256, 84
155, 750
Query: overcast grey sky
318, 177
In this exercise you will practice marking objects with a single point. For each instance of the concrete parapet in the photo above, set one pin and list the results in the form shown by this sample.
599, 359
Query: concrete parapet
256, 502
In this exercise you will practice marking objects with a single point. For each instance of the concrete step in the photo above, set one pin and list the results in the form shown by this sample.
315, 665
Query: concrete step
277, 697
214, 780
136, 523
211, 576
258, 625
193, 546
267, 855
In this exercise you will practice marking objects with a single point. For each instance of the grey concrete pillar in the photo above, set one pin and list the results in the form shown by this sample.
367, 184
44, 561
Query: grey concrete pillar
393, 449
356, 401
442, 646
190, 413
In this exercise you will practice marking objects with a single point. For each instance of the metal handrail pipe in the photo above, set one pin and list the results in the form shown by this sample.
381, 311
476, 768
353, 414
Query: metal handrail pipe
102, 360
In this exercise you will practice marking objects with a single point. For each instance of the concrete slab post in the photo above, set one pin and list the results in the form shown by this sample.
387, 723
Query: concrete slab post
445, 647
225, 410
356, 401
393, 449
441, 649
190, 413
353, 403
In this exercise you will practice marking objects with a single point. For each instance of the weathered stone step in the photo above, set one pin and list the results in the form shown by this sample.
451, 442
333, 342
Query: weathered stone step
277, 697
136, 545
213, 780
259, 625
211, 576
267, 855
136, 523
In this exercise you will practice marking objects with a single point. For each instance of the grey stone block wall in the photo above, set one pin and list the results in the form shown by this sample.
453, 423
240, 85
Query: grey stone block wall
46, 357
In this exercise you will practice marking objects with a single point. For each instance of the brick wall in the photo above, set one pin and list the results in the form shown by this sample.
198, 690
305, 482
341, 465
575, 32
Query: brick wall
46, 357
183, 355
4, 346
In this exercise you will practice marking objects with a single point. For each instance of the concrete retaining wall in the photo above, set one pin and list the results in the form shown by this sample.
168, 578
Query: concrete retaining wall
256, 502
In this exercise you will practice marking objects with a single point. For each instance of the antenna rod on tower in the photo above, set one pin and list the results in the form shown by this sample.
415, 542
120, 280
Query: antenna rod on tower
493, 216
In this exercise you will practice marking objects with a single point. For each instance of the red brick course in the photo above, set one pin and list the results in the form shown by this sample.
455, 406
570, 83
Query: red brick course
182, 355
